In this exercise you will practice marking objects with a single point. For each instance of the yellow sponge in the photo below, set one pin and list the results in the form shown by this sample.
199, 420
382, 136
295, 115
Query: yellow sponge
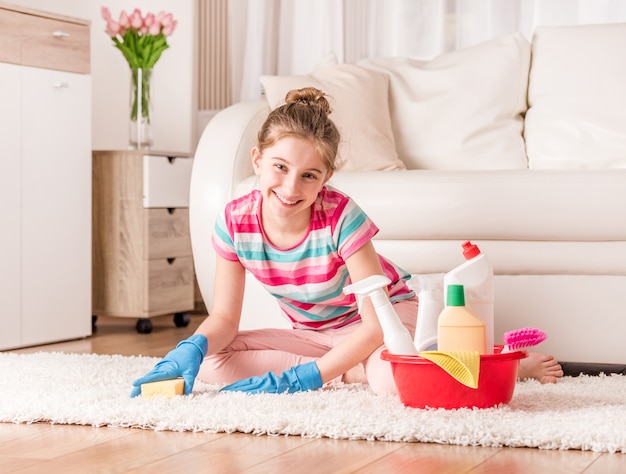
163, 388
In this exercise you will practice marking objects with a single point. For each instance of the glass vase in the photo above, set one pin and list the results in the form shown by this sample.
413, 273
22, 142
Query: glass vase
141, 108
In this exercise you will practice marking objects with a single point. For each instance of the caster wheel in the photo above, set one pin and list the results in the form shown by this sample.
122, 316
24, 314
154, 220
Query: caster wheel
94, 321
182, 320
144, 326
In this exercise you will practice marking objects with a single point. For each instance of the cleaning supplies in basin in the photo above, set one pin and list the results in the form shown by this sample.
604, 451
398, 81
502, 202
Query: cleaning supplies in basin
476, 276
458, 328
397, 337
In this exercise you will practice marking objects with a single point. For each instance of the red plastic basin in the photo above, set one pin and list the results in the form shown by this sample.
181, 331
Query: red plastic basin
423, 384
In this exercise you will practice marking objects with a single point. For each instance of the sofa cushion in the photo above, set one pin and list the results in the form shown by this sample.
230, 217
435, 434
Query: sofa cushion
359, 99
462, 110
577, 98
508, 205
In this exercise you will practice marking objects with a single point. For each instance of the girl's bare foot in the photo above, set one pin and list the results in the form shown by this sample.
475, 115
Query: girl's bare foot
542, 367
355, 375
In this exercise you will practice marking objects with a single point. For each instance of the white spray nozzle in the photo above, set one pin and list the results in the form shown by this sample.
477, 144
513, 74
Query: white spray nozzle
367, 286
397, 338
371, 286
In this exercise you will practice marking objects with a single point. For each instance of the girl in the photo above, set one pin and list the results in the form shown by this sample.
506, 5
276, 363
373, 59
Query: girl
304, 241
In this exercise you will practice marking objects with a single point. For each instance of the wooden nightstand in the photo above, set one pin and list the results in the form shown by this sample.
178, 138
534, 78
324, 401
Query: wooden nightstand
142, 261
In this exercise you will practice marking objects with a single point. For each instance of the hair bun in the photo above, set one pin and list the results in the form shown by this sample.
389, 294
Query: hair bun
308, 96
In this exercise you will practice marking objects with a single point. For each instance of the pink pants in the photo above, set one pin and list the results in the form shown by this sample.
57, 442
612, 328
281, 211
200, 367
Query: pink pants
263, 350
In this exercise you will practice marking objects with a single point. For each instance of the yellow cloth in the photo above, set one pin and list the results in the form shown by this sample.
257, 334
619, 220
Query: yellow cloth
464, 366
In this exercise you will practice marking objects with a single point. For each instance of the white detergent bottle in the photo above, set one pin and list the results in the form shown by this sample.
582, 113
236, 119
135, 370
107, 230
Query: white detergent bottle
396, 336
476, 276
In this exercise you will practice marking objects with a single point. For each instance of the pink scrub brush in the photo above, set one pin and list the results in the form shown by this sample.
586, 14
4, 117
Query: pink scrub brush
522, 338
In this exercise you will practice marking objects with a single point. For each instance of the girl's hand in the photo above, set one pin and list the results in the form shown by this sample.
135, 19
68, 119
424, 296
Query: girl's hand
297, 379
184, 361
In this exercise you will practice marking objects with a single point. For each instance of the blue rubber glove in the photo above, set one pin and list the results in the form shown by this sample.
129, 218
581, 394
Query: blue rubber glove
184, 361
297, 379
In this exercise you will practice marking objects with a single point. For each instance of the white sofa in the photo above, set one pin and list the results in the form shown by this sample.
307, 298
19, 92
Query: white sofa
519, 147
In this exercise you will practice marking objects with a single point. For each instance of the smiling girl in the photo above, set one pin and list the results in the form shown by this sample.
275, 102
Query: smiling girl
304, 241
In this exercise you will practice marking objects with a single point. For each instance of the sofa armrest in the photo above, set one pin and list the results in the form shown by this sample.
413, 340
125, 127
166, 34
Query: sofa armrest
222, 160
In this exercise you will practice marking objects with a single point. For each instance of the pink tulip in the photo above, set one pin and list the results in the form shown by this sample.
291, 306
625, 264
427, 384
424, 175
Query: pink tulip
149, 19
113, 28
154, 29
166, 19
168, 30
124, 20
136, 21
159, 16
106, 13
150, 26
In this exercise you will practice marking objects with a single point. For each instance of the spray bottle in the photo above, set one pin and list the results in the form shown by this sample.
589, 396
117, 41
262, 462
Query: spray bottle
476, 276
397, 337
431, 305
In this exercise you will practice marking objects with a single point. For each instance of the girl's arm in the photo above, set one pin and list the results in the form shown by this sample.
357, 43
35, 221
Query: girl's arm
219, 329
222, 324
369, 335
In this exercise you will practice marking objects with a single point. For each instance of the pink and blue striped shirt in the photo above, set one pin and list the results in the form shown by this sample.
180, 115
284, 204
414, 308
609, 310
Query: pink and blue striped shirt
307, 279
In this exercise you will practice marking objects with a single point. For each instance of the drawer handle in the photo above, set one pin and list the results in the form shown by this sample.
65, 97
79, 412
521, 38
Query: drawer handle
171, 210
171, 260
60, 34
61, 85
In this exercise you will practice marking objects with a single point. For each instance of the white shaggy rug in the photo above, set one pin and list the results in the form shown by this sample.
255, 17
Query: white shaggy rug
586, 413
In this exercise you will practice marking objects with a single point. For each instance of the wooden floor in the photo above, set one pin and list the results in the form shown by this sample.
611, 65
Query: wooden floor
43, 448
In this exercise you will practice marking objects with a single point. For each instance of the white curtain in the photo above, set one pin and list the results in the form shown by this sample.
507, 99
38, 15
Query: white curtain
285, 37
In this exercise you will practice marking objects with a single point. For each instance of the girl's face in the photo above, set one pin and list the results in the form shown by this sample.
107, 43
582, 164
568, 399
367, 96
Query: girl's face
291, 174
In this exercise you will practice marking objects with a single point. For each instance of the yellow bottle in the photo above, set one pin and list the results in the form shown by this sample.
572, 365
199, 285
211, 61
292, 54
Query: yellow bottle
458, 329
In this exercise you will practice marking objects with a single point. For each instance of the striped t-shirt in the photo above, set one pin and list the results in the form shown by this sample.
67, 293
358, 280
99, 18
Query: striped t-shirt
307, 279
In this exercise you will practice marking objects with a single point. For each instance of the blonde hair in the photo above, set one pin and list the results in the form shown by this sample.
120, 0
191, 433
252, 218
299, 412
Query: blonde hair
305, 115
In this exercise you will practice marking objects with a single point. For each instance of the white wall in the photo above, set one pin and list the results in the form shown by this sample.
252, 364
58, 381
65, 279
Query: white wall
175, 102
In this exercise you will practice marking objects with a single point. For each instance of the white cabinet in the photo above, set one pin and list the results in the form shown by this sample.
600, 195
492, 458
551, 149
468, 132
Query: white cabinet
56, 206
45, 179
11, 196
